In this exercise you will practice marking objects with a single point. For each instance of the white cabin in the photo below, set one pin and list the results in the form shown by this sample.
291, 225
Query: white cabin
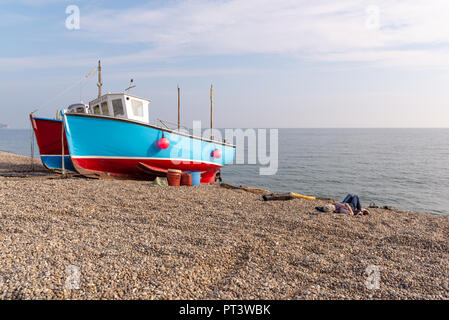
121, 105
78, 108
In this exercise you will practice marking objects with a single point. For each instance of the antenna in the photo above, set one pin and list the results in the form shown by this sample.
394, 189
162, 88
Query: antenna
211, 111
130, 86
99, 84
62, 149
179, 108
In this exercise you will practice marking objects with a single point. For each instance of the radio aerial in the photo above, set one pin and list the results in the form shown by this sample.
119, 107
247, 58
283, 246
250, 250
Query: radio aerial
131, 85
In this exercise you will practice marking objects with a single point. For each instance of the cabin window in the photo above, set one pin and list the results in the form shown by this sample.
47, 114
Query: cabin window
117, 106
104, 108
137, 107
97, 109
80, 110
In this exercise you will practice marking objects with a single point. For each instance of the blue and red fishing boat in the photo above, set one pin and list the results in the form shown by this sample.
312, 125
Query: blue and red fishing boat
116, 139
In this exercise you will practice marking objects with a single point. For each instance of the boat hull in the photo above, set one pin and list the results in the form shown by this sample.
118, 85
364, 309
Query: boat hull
48, 137
112, 147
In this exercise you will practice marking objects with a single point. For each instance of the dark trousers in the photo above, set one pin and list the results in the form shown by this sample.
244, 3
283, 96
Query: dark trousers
353, 201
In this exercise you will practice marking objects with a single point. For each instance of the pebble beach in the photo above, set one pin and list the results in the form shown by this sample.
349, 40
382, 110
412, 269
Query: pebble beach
78, 238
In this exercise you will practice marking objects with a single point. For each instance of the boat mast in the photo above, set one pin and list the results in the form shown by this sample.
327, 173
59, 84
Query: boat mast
99, 84
211, 111
62, 149
179, 108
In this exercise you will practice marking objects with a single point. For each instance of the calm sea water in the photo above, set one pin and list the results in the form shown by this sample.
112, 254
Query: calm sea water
405, 168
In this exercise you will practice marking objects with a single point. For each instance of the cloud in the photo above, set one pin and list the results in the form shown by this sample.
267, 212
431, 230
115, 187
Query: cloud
36, 3
177, 73
38, 62
419, 59
321, 30
412, 33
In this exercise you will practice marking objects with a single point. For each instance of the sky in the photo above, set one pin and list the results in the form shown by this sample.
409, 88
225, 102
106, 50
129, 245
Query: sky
273, 64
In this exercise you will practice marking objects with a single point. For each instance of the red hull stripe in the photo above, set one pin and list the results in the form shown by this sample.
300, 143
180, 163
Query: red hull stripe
130, 166
172, 161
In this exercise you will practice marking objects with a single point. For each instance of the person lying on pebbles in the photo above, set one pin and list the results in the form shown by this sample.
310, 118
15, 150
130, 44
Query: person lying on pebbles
350, 205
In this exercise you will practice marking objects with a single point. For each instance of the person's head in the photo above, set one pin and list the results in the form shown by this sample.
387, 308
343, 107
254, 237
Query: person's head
329, 208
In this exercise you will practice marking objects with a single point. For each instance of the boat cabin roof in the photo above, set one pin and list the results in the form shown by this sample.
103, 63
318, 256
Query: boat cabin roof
78, 108
121, 105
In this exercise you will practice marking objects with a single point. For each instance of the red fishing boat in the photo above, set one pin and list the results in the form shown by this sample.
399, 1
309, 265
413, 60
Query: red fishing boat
49, 136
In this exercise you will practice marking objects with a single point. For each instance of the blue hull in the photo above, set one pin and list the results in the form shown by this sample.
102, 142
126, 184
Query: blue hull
55, 163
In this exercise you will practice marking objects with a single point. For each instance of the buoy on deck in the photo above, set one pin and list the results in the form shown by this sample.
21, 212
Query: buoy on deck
163, 143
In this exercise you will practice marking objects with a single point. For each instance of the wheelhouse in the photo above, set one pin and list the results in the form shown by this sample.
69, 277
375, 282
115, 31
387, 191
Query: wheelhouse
78, 108
121, 105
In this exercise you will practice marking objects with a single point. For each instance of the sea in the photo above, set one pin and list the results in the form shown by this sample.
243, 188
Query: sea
404, 168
